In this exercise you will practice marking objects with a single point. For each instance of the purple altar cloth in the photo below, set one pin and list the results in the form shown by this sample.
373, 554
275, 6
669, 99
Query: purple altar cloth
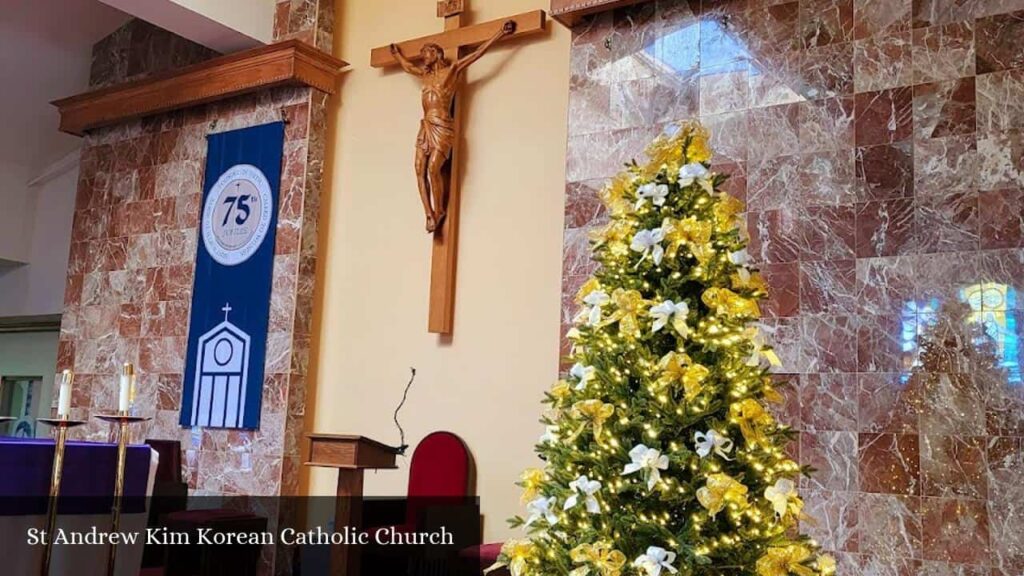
87, 486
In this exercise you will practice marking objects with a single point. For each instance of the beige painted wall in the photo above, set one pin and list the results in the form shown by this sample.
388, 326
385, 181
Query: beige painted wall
254, 18
486, 383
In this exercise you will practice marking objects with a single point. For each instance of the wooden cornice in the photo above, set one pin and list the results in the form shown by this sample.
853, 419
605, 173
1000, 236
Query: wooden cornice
569, 12
288, 63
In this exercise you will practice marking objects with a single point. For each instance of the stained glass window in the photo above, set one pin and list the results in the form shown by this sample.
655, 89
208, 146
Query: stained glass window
994, 305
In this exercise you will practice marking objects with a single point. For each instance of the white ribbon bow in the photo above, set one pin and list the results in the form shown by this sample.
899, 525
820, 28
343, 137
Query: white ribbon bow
656, 193
542, 508
712, 441
670, 311
550, 435
654, 560
649, 242
592, 309
587, 488
649, 460
740, 258
583, 375
760, 350
780, 494
695, 172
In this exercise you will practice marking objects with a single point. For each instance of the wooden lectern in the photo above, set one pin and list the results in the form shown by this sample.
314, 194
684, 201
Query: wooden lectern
350, 455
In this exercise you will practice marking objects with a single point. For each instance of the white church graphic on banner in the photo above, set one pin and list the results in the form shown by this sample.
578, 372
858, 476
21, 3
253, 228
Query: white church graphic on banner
218, 398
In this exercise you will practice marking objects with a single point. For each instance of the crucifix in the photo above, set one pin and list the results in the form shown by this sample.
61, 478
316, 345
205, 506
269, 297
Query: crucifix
439, 61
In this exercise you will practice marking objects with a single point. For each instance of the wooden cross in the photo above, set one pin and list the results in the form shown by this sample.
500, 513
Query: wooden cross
457, 40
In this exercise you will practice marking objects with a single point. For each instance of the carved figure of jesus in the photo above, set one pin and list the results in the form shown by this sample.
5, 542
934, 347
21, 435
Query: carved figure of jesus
437, 129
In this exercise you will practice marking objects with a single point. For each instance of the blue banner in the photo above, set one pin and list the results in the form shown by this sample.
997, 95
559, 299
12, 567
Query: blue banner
227, 338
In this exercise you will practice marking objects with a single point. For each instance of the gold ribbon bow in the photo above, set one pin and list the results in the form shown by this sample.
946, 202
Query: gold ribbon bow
617, 235
561, 390
770, 394
679, 368
721, 489
785, 560
689, 143
629, 306
826, 565
725, 212
589, 286
599, 558
689, 232
516, 554
614, 194
531, 481
594, 411
698, 149
761, 350
664, 152
753, 419
744, 279
726, 302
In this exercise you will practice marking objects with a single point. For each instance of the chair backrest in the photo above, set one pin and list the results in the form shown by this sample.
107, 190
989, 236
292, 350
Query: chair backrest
169, 468
441, 467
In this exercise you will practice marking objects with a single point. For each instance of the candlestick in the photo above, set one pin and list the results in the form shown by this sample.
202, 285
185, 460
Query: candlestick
124, 398
62, 425
133, 393
64, 396
123, 420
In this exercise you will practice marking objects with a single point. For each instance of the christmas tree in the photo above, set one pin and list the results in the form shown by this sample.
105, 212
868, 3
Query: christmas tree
661, 454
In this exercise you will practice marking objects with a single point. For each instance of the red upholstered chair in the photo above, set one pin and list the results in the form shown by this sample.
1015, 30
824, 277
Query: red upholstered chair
441, 485
485, 556
441, 467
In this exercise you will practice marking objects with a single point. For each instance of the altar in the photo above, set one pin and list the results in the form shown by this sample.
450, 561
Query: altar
84, 507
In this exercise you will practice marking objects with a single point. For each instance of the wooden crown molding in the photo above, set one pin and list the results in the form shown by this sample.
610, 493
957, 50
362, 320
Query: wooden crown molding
569, 12
288, 63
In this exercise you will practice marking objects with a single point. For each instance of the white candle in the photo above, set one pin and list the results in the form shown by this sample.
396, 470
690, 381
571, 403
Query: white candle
132, 393
64, 398
124, 399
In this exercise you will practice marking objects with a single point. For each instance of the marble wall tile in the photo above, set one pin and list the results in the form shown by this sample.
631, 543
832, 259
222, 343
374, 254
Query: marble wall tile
827, 71
883, 61
884, 117
879, 17
999, 106
885, 171
997, 40
827, 178
885, 228
1001, 160
890, 528
785, 299
945, 108
943, 52
833, 519
1001, 218
825, 22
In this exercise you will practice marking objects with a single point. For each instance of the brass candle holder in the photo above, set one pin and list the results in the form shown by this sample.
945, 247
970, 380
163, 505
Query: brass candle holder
123, 419
62, 425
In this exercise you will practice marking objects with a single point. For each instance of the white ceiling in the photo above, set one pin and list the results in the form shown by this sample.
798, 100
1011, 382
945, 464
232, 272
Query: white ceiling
45, 54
